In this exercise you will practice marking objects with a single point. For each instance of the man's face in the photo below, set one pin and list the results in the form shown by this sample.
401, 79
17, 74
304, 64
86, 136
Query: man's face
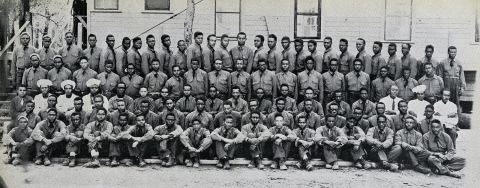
333, 66
338, 97
51, 116
200, 105
98, 102
393, 91
44, 89
284, 90
429, 53
84, 64
218, 65
187, 90
409, 122
334, 109
429, 113
164, 92
181, 46
309, 94
212, 92
126, 44
25, 39
199, 39
262, 66
108, 68
122, 120
156, 65
52, 101
360, 46
279, 122
285, 44
76, 120
213, 41
257, 42
357, 66
452, 53
343, 47
302, 122
121, 106
151, 43
350, 123
111, 42
227, 109
236, 93
298, 46
78, 104
101, 115
144, 107
364, 95
170, 120
311, 47
224, 42
280, 105
327, 43
94, 89
308, 106
260, 93
420, 96
392, 50
46, 42
176, 71
58, 63
194, 65
330, 122
428, 70
167, 42
131, 70
446, 96
271, 43
228, 123
376, 49
143, 92
137, 44
436, 128
285, 65
380, 108
22, 91
197, 125
69, 38
358, 114
406, 74
381, 122
35, 61
405, 49
241, 39
403, 107
169, 104
383, 72
309, 65
29, 107
253, 105
140, 121
92, 41
121, 89
255, 118
68, 90
240, 65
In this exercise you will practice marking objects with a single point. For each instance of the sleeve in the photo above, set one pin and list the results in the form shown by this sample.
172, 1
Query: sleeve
265, 134
369, 138
189, 56
342, 138
215, 136
398, 138
244, 131
9, 137
101, 63
177, 131
87, 133
389, 141
149, 135
278, 61
24, 77
320, 88
291, 59
360, 136
368, 63
418, 140
319, 138
462, 78
145, 63
413, 67
398, 68
184, 138
38, 134
14, 65
239, 138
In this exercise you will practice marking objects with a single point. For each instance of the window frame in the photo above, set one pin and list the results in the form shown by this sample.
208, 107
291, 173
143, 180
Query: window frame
319, 21
476, 25
97, 8
385, 25
169, 6
223, 12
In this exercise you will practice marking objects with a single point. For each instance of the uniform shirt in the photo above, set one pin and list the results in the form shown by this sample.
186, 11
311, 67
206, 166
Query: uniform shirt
19, 135
93, 55
246, 118
72, 131
152, 119
71, 57
335, 134
209, 58
385, 137
108, 82
220, 119
179, 116
396, 67
264, 106
368, 107
317, 56
33, 119
313, 119
377, 62
259, 131
290, 105
274, 60
328, 55
316, 107
195, 137
343, 108
284, 130
105, 128
220, 80
260, 53
155, 81
442, 144
425, 126
46, 57
240, 106
242, 52
88, 102
305, 134
32, 75
174, 130
175, 86
114, 116
58, 76
21, 58
198, 79
145, 132
445, 109
213, 106
357, 133
289, 54
311, 79
290, 79
434, 85
231, 133
186, 105
288, 120
205, 118
80, 77
367, 61
83, 116
113, 102
133, 57
194, 51
64, 103
340, 121
372, 121
179, 59
40, 103
300, 60
355, 83
222, 53
446, 71
391, 104
107, 53
240, 79
381, 88
133, 82
345, 62
266, 80
164, 56
119, 131
399, 121
421, 69
412, 138
405, 88
333, 81
47, 130
147, 57
122, 60
138, 102
411, 62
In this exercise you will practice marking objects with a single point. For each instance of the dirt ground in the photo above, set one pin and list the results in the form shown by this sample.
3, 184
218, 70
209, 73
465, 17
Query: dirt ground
57, 175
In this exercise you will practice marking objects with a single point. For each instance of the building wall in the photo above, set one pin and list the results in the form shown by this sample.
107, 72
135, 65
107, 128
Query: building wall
438, 22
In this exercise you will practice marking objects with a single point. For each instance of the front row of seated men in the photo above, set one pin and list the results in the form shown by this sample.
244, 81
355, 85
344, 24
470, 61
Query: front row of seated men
386, 148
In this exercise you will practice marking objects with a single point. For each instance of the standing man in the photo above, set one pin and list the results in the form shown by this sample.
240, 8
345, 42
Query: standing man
312, 48
241, 51
186, 104
122, 55
362, 55
408, 60
226, 139
155, 80
46, 53
287, 78
132, 82
239, 78
133, 57
427, 58
108, 80
21, 59
377, 60
328, 54
333, 81
47, 136
356, 80
221, 53
433, 82
275, 56
381, 85
453, 75
58, 74
71, 53
196, 78
148, 56
345, 58
310, 78
33, 74
301, 56
81, 76
405, 85
394, 62
165, 53
108, 53
265, 79
209, 53
93, 52
179, 59
194, 51
220, 79
288, 53
260, 53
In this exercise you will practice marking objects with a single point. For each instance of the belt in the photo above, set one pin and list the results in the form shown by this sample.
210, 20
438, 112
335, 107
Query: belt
452, 77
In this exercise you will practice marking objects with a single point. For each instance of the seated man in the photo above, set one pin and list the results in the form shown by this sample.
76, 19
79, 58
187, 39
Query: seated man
380, 107
340, 121
440, 147
186, 104
213, 105
290, 103
226, 140
367, 106
256, 134
425, 125
166, 140
331, 139
304, 142
380, 139
227, 110
391, 101
47, 135
343, 107
316, 106
52, 104
280, 109
170, 108
313, 119
196, 140
33, 118
74, 137
282, 138
359, 121
353, 148
118, 141
138, 101
239, 105
252, 106
42, 98
138, 137
19, 142
447, 113
113, 117
264, 105
408, 146
97, 133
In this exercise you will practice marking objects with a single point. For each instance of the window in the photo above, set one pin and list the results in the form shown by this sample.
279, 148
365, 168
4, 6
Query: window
477, 23
157, 4
307, 18
227, 17
398, 20
106, 4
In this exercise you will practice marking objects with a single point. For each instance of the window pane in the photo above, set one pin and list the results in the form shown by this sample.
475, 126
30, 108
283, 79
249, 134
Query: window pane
228, 5
398, 21
106, 4
157, 4
307, 6
227, 23
307, 26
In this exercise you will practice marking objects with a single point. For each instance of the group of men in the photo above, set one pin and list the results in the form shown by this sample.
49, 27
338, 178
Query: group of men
120, 103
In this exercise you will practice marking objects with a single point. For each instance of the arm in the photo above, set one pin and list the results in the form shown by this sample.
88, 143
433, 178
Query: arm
368, 63
265, 134
320, 88
278, 61
239, 138
145, 62
413, 67
101, 63
389, 141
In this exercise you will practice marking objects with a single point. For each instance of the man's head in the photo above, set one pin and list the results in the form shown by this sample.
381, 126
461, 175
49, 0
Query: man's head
140, 120
393, 91
228, 123
262, 64
392, 49
144, 106
123, 119
241, 38
200, 103
350, 121
150, 41
253, 105
312, 46
309, 63
121, 89
338, 96
212, 40
24, 39
279, 120
156, 65
380, 107
409, 123
406, 73
84, 63
121, 106
254, 117
29, 106
98, 100
108, 66
343, 45
406, 48
284, 89
224, 40
170, 119
258, 41
78, 103
196, 124
198, 36
69, 38
333, 65
333, 109
35, 60
302, 122
358, 113
236, 92
239, 64
176, 70
75, 118
298, 45
445, 95
169, 103
403, 107
429, 51
68, 89
429, 111
227, 107
360, 44
260, 93
363, 94
330, 120
92, 40
377, 47
280, 104
126, 43
47, 40
428, 69
381, 121
436, 127
285, 65
327, 42
272, 41
52, 115
308, 105
137, 43
187, 89
357, 65
285, 42
166, 40
164, 92
212, 91
181, 46
52, 101
58, 61
22, 90
384, 71
452, 52
218, 64
309, 93
195, 64
110, 40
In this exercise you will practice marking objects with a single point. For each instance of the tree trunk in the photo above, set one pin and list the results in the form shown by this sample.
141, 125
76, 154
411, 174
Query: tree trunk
190, 14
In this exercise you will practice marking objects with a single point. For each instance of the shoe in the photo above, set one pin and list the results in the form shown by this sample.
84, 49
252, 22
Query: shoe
366, 165
274, 165
163, 162
114, 162
422, 169
454, 174
335, 166
219, 164
401, 166
358, 165
299, 164
8, 160
385, 164
260, 164
373, 165
227, 165
108, 163
309, 166
251, 164
328, 166
196, 164
72, 162
188, 163
66, 162
16, 161
39, 160
171, 162
46, 162
282, 164
393, 167
141, 162
129, 163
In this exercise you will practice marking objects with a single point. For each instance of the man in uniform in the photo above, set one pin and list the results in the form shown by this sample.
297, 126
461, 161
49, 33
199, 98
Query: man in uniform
33, 74
354, 146
345, 58
213, 105
332, 110
221, 53
58, 74
391, 101
165, 54
196, 140
175, 83
242, 52
366, 58
108, 53
122, 56
114, 117
186, 104
239, 79
226, 139
355, 80
380, 109
265, 79
170, 109
209, 53
239, 104
379, 140
74, 137
118, 142
314, 52
288, 78
256, 134
260, 53
290, 103
66, 101
317, 107
133, 57
252, 106
120, 95
155, 80
377, 60
281, 138
21, 59
148, 116
427, 58
227, 111
425, 125
179, 59
133, 81
71, 53
46, 53
19, 142
452, 72
78, 108
194, 51
81, 76
333, 81
304, 142
300, 57
310, 78
97, 133
381, 85
264, 106
93, 52
149, 55
88, 100
313, 119
48, 134
274, 57
367, 106
405, 85
205, 118
220, 79
108, 79
328, 54
408, 60
138, 137
287, 118
343, 107
433, 82
394, 62
417, 107
166, 140
41, 99
331, 138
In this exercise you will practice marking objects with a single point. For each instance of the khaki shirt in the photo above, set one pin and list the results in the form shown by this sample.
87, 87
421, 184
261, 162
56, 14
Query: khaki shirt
58, 76
71, 57
93, 55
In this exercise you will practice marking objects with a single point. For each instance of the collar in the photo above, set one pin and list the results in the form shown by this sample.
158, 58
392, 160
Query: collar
379, 54
287, 49
151, 49
261, 48
328, 50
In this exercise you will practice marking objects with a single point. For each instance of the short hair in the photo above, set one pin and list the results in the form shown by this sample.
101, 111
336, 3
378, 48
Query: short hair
307, 100
235, 87
344, 40
136, 39
358, 60
155, 60
381, 116
386, 67
309, 88
408, 45
284, 85
66, 33
125, 39
227, 102
229, 117
52, 110
332, 60
106, 38
98, 96
410, 117
273, 36
145, 101
187, 85
350, 116
124, 114
223, 36
298, 40
241, 33
286, 38
435, 121
280, 99
363, 89
363, 40
175, 66
301, 117
170, 114
430, 106
451, 48
195, 59
92, 35
427, 63
333, 103
312, 42
200, 98
78, 99
102, 108
197, 33
357, 108
179, 41
328, 37
149, 36
309, 58
196, 119
212, 35
82, 58
108, 61
379, 103
402, 101
378, 43
429, 46
164, 36
254, 112
262, 38
328, 115
406, 68
392, 45
22, 85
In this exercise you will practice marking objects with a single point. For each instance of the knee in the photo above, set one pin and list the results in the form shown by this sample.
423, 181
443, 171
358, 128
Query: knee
432, 159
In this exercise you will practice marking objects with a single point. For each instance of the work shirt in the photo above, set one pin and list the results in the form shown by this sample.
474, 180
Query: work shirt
288, 120
242, 52
205, 118
222, 53
57, 76
411, 62
179, 59
264, 106
377, 62
113, 102
421, 63
372, 121
122, 60
164, 56
405, 88
368, 107
145, 132
239, 79
305, 134
394, 63
381, 88
93, 55
246, 118
367, 61
198, 80
89, 104
316, 107
21, 58
83, 116
175, 130
105, 128
439, 144
133, 57
18, 134
340, 121
175, 86
133, 82
115, 116
155, 81
179, 116
219, 119
240, 106
434, 85
259, 131
195, 137
108, 82
40, 103
265, 80
357, 133
147, 57
385, 137
345, 64
81, 76
418, 107
186, 104
220, 80
260, 53
452, 69
313, 119
274, 60
284, 130
32, 75
355, 81
47, 130
328, 55
290, 54
333, 81
399, 121
138, 102
290, 79
231, 133
317, 56
194, 51
72, 131
209, 58
71, 56
213, 106
107, 53
300, 60
335, 134
33, 119
311, 79
412, 138
46, 57
152, 119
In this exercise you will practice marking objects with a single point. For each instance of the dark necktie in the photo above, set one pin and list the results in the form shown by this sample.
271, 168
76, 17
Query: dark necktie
225, 134
46, 50
436, 139
91, 51
358, 55
185, 103
34, 71
393, 104
212, 58
364, 107
217, 73
155, 74
406, 83
235, 102
211, 104
68, 48
84, 72
130, 77
58, 71
114, 55
25, 48
451, 62
106, 76
194, 73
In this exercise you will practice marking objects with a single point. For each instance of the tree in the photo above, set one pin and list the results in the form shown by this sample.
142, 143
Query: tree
190, 14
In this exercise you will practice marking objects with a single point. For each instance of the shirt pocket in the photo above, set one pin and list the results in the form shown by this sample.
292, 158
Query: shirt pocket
256, 83
20, 56
242, 82
199, 77
363, 82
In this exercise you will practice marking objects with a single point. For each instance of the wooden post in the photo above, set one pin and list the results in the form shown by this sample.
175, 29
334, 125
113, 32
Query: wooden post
16, 29
79, 35
190, 14
29, 29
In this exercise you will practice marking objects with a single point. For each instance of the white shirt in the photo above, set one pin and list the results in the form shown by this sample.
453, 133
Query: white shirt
444, 109
65, 104
40, 103
88, 102
418, 107
389, 103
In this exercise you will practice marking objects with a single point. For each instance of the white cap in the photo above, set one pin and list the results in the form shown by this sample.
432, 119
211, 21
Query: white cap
419, 89
68, 82
92, 82
44, 82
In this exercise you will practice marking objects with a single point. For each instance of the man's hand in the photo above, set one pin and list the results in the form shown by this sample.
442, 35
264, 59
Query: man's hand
98, 138
351, 137
113, 139
48, 142
356, 148
278, 141
157, 137
192, 149
228, 141
164, 137
251, 135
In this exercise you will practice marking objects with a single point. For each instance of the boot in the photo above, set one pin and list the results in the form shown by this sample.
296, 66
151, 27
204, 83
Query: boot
422, 169
16, 161
227, 165
259, 163
274, 164
454, 174
282, 164
335, 166
188, 163
46, 162
220, 163
251, 164
141, 162
309, 165
114, 162
9, 160
299, 164
171, 162
39, 160
66, 162
95, 162
196, 164
72, 162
